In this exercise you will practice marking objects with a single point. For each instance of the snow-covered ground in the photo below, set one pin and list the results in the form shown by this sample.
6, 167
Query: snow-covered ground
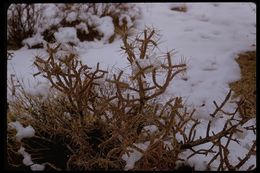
208, 36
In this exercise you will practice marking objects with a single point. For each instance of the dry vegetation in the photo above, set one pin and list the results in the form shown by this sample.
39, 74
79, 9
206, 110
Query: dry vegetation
25, 20
21, 23
90, 120
180, 8
246, 86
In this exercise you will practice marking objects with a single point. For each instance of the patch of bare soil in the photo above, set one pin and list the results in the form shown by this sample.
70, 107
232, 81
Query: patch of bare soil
180, 8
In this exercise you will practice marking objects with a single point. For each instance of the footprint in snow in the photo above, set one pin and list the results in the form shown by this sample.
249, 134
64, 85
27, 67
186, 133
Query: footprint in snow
203, 18
216, 32
205, 36
188, 29
210, 65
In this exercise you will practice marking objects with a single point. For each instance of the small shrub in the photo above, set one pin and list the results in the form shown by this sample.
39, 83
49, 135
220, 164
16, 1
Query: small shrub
92, 121
68, 75
21, 23
26, 20
90, 36
48, 34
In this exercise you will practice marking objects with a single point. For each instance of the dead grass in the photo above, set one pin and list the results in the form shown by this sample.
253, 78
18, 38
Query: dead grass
60, 142
21, 23
246, 86
102, 126
180, 8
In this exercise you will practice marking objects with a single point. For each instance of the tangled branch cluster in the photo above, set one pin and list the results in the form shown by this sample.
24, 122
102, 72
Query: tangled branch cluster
104, 126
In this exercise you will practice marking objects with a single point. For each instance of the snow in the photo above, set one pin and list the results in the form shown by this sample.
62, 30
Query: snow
134, 155
103, 25
67, 115
72, 16
21, 65
26, 132
51, 11
32, 41
209, 36
37, 167
66, 35
106, 27
200, 46
52, 16
26, 157
241, 133
22, 132
83, 27
125, 18
27, 160
150, 129
152, 60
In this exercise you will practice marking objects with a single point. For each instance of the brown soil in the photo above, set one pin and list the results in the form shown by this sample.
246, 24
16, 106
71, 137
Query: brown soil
181, 8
